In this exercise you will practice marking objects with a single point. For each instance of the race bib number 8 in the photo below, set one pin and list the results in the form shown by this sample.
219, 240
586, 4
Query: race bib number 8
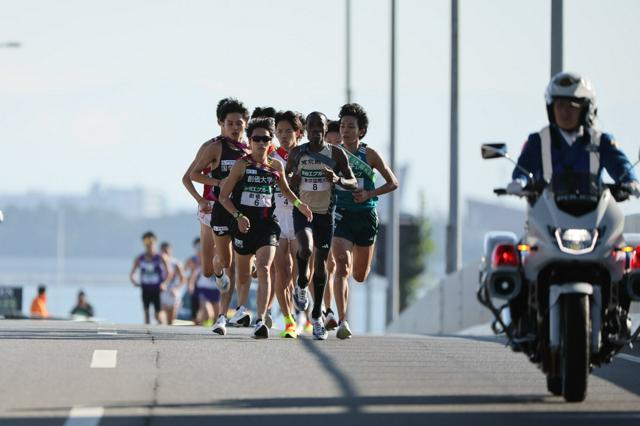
255, 200
314, 184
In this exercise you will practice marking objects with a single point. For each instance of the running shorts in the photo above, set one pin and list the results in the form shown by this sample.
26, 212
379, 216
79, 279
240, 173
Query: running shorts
221, 220
285, 220
151, 296
208, 295
321, 227
263, 233
358, 226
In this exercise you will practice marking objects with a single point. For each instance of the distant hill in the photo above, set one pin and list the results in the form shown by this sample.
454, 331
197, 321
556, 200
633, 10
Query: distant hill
92, 233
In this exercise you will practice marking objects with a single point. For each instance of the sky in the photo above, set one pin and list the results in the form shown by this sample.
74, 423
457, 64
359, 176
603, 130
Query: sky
124, 92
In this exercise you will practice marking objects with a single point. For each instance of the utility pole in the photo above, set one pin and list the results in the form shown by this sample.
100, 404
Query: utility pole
348, 50
556, 37
453, 228
393, 226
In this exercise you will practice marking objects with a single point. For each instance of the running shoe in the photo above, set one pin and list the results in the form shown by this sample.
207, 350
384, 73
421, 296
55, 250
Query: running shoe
242, 318
268, 320
220, 327
222, 282
261, 331
289, 331
319, 332
301, 320
301, 298
308, 327
330, 322
344, 332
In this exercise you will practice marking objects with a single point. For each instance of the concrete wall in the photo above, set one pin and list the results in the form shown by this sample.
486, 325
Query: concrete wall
449, 307
452, 305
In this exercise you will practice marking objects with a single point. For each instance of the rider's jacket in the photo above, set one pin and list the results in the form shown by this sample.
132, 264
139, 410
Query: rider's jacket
548, 152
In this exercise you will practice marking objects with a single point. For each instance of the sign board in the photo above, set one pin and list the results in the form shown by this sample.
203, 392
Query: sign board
10, 300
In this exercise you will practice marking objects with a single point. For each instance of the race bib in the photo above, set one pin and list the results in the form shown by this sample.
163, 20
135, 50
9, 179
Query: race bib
282, 201
314, 184
255, 200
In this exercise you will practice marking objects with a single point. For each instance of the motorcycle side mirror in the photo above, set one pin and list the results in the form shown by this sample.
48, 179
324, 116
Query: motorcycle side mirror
494, 150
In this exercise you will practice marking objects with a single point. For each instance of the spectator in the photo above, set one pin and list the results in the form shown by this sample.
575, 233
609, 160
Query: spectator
82, 308
39, 304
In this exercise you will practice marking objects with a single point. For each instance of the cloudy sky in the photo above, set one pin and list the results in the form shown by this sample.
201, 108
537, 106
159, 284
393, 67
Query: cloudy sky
124, 92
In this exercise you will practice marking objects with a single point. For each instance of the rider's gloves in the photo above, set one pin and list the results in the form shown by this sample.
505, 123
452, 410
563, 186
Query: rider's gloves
633, 187
516, 187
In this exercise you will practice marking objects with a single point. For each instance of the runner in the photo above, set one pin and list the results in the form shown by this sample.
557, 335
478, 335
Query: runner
289, 130
206, 200
314, 169
330, 321
356, 218
151, 279
219, 157
256, 232
208, 300
170, 297
192, 266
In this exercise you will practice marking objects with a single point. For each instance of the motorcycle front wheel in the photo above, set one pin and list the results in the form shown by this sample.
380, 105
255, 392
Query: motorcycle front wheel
575, 347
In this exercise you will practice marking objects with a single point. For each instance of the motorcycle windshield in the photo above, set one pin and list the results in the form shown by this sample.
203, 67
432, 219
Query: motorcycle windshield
576, 193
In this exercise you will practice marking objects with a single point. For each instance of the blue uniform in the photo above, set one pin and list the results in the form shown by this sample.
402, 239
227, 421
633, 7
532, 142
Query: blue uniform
575, 157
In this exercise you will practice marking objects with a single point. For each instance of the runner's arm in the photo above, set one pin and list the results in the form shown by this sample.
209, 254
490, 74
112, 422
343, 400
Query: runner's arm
170, 272
236, 173
179, 270
286, 191
210, 157
132, 277
186, 178
347, 180
378, 163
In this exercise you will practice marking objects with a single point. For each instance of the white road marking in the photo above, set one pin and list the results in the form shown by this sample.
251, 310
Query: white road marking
107, 331
104, 358
84, 416
629, 358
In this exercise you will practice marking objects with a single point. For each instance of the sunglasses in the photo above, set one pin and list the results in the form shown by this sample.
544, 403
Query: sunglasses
265, 139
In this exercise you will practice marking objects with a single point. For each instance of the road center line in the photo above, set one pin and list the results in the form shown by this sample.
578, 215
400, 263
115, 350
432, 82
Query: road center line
84, 416
629, 358
107, 331
104, 358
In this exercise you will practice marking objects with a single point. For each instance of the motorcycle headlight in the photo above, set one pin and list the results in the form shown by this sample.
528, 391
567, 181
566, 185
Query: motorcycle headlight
576, 241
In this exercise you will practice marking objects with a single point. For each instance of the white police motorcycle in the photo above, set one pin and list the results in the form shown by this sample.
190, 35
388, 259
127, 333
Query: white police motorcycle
563, 289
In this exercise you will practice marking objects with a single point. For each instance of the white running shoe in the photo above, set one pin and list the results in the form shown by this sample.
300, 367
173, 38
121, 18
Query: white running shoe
301, 298
330, 322
222, 282
268, 320
242, 318
261, 331
220, 327
344, 332
319, 332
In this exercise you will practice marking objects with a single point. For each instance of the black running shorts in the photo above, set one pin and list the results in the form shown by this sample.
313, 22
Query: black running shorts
151, 296
321, 228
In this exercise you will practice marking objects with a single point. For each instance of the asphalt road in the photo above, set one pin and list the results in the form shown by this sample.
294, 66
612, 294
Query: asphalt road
65, 373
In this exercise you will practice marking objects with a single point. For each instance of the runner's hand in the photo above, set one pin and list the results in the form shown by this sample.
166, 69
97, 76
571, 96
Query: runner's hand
306, 211
361, 195
204, 206
244, 224
330, 175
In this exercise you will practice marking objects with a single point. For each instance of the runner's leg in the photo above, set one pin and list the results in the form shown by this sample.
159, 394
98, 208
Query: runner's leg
341, 249
264, 258
362, 256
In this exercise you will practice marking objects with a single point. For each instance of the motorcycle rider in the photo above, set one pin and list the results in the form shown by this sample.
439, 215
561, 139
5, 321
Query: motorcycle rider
571, 141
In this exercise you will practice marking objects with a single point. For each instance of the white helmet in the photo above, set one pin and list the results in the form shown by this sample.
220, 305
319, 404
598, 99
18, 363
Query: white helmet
568, 85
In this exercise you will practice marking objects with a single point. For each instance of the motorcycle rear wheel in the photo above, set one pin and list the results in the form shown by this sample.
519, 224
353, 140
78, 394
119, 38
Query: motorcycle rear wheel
575, 347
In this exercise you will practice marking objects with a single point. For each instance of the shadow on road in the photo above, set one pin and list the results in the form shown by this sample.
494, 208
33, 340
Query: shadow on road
446, 418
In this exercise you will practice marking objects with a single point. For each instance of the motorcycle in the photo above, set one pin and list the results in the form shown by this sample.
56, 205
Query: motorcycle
564, 288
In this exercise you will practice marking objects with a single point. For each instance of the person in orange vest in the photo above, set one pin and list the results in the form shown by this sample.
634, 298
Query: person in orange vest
39, 304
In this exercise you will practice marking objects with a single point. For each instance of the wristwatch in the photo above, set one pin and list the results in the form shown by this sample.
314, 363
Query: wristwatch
237, 215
